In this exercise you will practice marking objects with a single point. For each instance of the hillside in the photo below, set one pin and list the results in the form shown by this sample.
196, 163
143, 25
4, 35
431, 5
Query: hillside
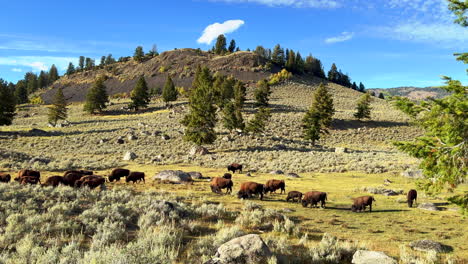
180, 64
414, 93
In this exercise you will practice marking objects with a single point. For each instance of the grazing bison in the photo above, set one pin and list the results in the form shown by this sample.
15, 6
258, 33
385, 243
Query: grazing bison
247, 189
116, 174
54, 181
360, 203
31, 173
5, 177
29, 180
135, 176
218, 183
82, 172
293, 195
94, 182
227, 176
235, 167
71, 178
273, 185
411, 196
313, 198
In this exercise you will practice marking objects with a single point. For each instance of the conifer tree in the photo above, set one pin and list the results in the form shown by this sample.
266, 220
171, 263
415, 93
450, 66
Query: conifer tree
314, 66
232, 46
239, 94
42, 80
323, 104
299, 64
333, 73
261, 93
354, 86
291, 62
81, 62
58, 110
363, 109
7, 105
89, 63
140, 95
96, 98
103, 61
381, 96
257, 125
70, 69
139, 54
278, 55
21, 92
362, 88
53, 74
31, 82
311, 123
201, 120
232, 117
169, 92
262, 52
220, 46
109, 59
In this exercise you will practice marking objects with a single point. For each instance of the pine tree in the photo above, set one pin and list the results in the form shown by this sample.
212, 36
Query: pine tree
354, 86
169, 92
42, 80
220, 46
58, 110
89, 63
261, 93
70, 69
103, 61
154, 51
311, 123
363, 109
81, 62
201, 120
232, 46
257, 125
53, 74
333, 73
278, 55
232, 117
139, 95
239, 94
21, 92
139, 54
291, 62
299, 64
261, 51
323, 104
109, 59
96, 98
31, 82
381, 96
362, 88
7, 104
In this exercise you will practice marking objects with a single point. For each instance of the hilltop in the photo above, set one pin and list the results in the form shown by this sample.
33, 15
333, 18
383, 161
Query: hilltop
414, 93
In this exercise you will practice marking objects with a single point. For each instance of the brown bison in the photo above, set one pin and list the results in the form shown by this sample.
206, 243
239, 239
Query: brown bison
411, 196
94, 182
360, 203
135, 176
5, 177
116, 174
218, 183
82, 172
29, 180
247, 189
81, 182
53, 181
71, 178
273, 185
235, 167
31, 173
313, 198
227, 176
293, 195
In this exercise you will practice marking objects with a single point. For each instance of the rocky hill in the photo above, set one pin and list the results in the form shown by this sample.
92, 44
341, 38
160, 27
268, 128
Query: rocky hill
414, 93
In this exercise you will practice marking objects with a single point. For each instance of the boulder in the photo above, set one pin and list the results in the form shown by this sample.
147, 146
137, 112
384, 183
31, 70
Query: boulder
198, 150
292, 175
196, 175
429, 245
428, 206
165, 137
413, 174
244, 249
371, 257
340, 150
131, 137
176, 176
40, 160
277, 172
129, 156
119, 141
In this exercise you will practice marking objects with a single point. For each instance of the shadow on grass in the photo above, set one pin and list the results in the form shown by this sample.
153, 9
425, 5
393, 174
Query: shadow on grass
341, 124
43, 133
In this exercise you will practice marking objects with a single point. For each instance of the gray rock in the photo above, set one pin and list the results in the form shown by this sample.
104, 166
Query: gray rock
165, 137
340, 150
292, 175
129, 156
429, 207
196, 175
227, 139
413, 174
40, 160
428, 245
131, 137
244, 249
155, 133
119, 141
277, 172
198, 150
176, 176
371, 257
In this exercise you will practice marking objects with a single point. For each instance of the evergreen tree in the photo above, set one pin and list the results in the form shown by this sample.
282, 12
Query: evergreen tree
262, 93
278, 55
96, 98
138, 54
354, 86
58, 110
372, 93
333, 73
314, 66
53, 74
363, 109
31, 82
261, 51
232, 46
169, 92
109, 59
81, 62
89, 63
42, 80
381, 96
232, 117
103, 61
154, 51
140, 95
323, 104
21, 92
291, 62
257, 125
7, 104
201, 120
220, 46
201, 75
239, 94
70, 69
362, 88
299, 64
311, 123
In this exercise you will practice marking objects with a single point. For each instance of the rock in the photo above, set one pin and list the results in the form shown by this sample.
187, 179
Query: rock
196, 175
227, 139
413, 174
244, 249
198, 150
429, 245
40, 160
59, 125
277, 172
155, 133
429, 207
165, 137
119, 141
141, 124
102, 141
390, 193
131, 137
176, 176
292, 175
248, 174
371, 257
341, 150
129, 156
380, 190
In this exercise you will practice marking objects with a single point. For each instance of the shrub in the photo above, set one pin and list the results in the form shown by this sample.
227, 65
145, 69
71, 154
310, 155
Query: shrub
280, 77
36, 100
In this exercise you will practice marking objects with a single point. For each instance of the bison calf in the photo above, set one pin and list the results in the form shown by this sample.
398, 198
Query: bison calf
293, 196
135, 176
5, 177
116, 174
53, 181
248, 189
235, 167
411, 196
313, 198
273, 185
360, 203
219, 183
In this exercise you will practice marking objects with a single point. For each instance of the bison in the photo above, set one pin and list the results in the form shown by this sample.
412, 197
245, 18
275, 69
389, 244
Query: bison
360, 203
29, 180
235, 167
247, 189
71, 178
53, 181
5, 177
93, 178
82, 172
116, 174
411, 196
227, 176
31, 173
219, 183
273, 185
135, 176
94, 182
313, 198
293, 195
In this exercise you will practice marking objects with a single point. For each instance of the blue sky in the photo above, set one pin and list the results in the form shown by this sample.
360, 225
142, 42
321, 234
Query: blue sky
383, 43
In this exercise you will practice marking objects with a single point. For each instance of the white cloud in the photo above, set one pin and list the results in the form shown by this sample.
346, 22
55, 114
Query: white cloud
16, 70
212, 31
343, 37
294, 3
37, 63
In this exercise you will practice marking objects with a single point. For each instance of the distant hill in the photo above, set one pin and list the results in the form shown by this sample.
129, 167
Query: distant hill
414, 93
